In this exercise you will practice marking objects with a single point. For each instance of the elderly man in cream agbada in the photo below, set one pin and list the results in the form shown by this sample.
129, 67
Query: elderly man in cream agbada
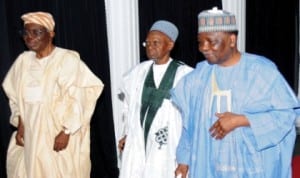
52, 95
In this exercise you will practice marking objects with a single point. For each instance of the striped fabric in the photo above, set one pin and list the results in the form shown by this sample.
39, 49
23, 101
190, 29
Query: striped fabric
41, 18
216, 20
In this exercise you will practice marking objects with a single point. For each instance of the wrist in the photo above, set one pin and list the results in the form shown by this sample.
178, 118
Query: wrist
242, 121
66, 131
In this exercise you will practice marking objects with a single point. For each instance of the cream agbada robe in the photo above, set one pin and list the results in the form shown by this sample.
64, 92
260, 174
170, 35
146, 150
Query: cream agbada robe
49, 94
158, 159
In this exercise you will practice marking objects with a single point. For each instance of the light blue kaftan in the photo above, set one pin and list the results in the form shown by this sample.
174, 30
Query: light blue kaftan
258, 91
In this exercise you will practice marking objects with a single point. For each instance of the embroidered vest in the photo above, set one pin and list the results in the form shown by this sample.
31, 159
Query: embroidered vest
153, 97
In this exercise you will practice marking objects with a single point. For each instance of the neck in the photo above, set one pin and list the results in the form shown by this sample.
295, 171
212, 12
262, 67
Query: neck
234, 58
163, 60
46, 52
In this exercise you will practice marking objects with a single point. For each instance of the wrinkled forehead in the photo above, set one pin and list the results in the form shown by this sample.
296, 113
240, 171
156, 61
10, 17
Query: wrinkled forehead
34, 26
154, 34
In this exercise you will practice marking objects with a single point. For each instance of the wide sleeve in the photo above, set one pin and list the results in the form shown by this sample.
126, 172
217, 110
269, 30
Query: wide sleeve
124, 99
270, 110
10, 87
179, 98
124, 95
79, 91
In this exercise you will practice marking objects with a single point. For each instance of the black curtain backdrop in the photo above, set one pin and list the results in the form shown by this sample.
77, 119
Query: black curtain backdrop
183, 13
81, 26
272, 31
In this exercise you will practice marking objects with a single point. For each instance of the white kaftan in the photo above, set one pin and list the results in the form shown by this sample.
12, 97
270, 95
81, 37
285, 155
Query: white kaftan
158, 159
48, 94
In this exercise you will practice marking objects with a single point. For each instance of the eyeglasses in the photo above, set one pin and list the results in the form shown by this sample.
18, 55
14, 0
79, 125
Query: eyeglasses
154, 44
33, 33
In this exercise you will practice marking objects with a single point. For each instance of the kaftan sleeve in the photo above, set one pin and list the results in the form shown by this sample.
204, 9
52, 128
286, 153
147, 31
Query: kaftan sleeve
179, 97
270, 111
11, 87
124, 96
15, 113
79, 91
123, 126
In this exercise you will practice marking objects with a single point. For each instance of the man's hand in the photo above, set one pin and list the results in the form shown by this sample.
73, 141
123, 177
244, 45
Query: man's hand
121, 144
227, 122
20, 133
61, 141
181, 170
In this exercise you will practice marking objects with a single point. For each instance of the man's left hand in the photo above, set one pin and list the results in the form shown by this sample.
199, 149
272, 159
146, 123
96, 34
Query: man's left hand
61, 141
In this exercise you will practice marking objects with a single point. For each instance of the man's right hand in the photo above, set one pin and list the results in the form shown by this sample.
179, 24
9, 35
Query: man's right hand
182, 169
20, 133
121, 144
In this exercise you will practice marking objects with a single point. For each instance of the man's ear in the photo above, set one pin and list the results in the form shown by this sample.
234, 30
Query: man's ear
233, 40
52, 34
170, 45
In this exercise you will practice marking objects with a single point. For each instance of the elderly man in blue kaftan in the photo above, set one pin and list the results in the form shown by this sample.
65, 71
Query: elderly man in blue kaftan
238, 116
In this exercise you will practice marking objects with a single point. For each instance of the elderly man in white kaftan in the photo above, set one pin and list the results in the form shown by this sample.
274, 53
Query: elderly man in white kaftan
52, 96
153, 124
238, 110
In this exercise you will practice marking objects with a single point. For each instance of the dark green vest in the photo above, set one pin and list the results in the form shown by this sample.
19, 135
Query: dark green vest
153, 97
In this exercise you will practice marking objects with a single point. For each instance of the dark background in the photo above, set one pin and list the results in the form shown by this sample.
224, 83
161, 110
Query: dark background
271, 30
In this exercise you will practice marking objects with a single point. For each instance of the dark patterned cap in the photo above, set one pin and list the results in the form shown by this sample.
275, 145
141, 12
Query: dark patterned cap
215, 20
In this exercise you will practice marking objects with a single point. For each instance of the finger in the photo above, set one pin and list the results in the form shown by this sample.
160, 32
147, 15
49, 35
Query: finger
218, 115
217, 133
57, 147
214, 126
121, 145
19, 143
213, 134
221, 134
19, 140
178, 174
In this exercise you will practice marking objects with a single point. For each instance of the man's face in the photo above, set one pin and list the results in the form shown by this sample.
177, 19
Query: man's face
217, 47
36, 37
158, 47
